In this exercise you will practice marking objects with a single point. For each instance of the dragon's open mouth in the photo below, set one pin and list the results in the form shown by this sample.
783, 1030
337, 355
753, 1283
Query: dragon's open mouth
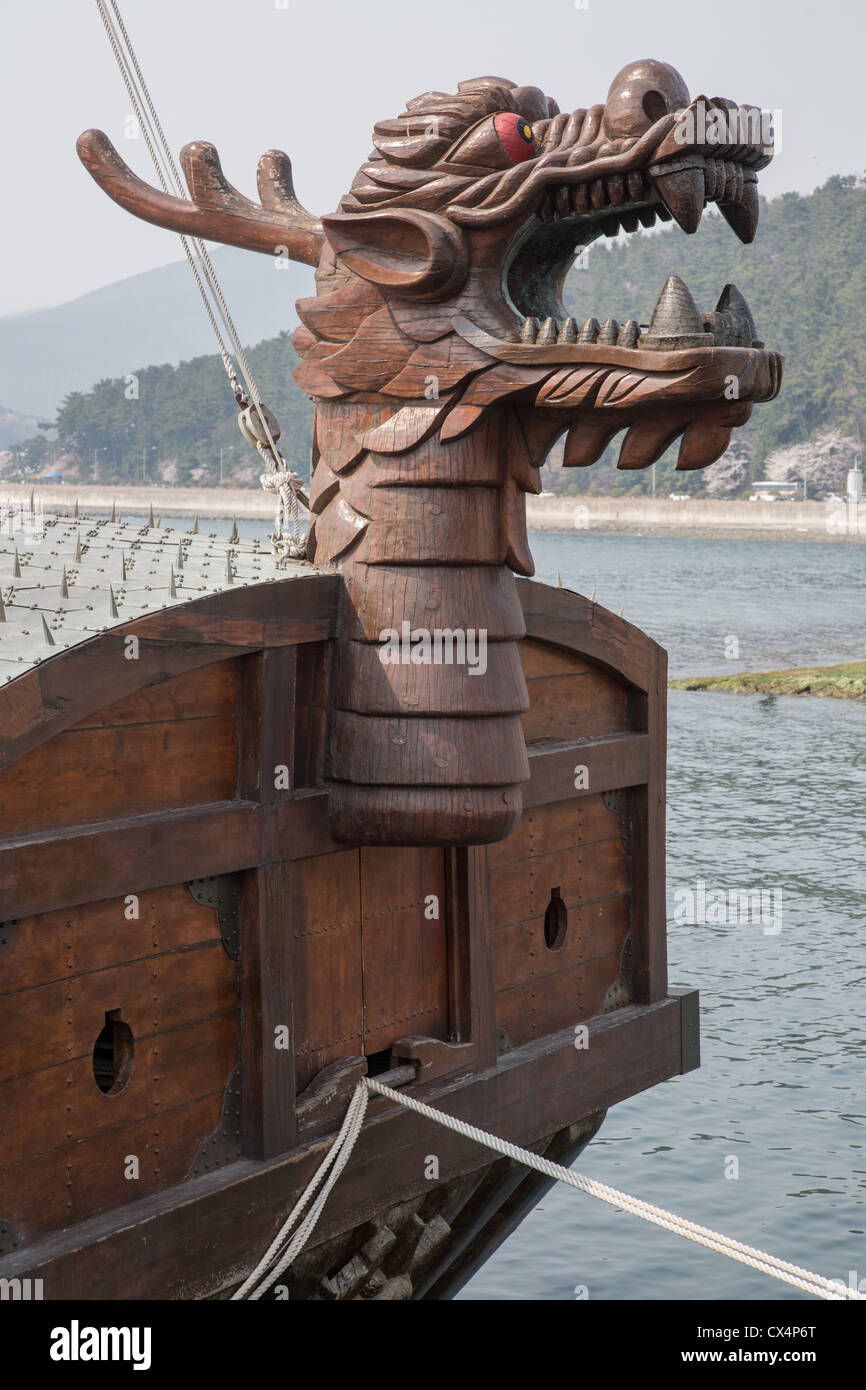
569, 215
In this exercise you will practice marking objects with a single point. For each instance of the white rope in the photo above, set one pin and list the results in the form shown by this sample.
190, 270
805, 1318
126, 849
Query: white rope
285, 1247
287, 482
746, 1254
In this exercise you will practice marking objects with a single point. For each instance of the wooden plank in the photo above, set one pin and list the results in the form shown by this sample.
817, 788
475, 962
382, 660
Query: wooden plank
43, 871
587, 873
87, 1178
61, 1021
42, 1111
72, 941
104, 772
267, 1013
326, 930
594, 929
563, 619
479, 930
536, 1008
404, 952
210, 690
540, 661
557, 825
609, 763
75, 683
574, 706
629, 1050
266, 725
312, 681
648, 813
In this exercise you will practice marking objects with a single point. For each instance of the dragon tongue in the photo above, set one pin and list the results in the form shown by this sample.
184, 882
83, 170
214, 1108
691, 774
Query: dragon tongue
682, 192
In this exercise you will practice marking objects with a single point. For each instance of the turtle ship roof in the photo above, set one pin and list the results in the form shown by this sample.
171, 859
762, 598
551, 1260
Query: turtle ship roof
63, 579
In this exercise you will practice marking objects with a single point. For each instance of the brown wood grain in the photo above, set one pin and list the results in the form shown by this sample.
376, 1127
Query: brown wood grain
629, 1050
78, 940
404, 951
206, 691
43, 1111
62, 1020
594, 929
97, 773
327, 969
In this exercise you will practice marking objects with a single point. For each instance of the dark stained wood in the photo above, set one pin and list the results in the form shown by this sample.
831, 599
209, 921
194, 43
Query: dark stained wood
648, 843
325, 924
267, 724
86, 774
209, 691
629, 1050
87, 678
267, 1012
95, 935
620, 761
594, 929
404, 951
64, 1018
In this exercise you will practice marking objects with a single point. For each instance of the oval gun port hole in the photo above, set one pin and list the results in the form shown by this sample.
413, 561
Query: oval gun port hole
112, 1054
555, 922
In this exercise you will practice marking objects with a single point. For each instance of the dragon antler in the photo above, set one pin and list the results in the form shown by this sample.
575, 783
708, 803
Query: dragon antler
217, 211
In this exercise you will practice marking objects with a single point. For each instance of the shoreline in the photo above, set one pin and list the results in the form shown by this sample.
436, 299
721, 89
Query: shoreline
707, 519
846, 681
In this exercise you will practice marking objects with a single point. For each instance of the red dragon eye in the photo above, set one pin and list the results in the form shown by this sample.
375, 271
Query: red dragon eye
515, 135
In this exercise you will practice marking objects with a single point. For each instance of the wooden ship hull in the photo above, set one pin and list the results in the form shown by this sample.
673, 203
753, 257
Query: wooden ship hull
194, 973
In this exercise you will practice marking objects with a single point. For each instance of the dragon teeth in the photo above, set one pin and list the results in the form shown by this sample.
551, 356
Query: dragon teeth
529, 331
609, 333
589, 331
568, 332
628, 334
675, 321
549, 332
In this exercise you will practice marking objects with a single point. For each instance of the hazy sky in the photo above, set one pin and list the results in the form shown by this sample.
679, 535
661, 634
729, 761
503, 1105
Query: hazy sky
311, 78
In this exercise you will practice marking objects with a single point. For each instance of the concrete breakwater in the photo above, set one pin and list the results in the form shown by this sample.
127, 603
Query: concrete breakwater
628, 515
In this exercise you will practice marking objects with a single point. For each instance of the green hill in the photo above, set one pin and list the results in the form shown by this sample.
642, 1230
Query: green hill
804, 278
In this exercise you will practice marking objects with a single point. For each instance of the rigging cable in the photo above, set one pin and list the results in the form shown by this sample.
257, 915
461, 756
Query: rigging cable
280, 479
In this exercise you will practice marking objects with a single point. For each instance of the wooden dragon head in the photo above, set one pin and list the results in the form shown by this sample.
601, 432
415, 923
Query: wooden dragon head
443, 367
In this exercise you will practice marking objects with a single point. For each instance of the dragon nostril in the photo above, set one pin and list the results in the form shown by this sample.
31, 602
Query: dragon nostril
654, 104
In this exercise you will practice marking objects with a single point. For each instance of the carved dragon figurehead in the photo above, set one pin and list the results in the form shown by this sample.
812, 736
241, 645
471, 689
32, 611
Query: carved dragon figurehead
443, 368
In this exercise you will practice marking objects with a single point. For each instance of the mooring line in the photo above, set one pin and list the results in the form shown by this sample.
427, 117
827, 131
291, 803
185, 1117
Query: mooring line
280, 1253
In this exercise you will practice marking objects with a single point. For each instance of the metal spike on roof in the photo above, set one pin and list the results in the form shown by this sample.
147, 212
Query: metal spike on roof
123, 566
179, 556
16, 566
172, 591
195, 525
113, 516
64, 584
76, 559
32, 502
46, 633
75, 508
112, 605
150, 515
229, 576
2, 609
234, 537
558, 580
159, 521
